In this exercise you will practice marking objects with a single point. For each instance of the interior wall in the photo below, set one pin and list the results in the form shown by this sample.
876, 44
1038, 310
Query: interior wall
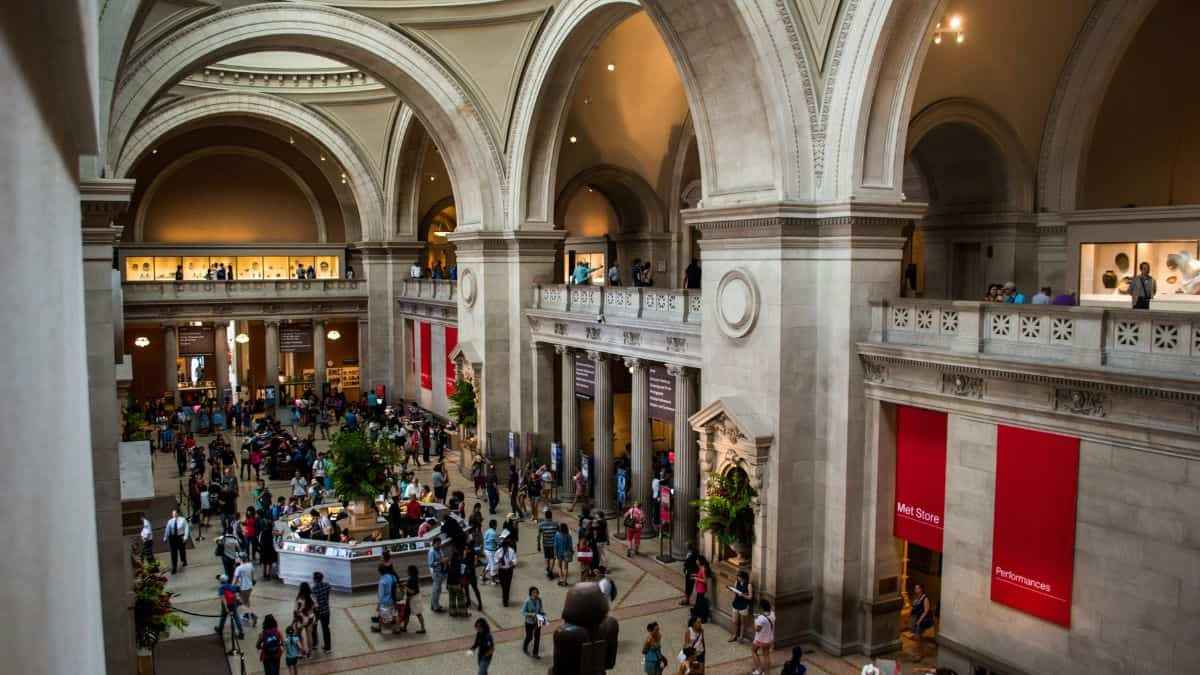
149, 366
589, 214
1145, 150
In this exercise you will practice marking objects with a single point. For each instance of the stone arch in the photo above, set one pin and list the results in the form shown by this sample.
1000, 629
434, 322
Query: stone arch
630, 196
1018, 173
401, 187
681, 196
438, 99
749, 151
1109, 29
361, 179
181, 162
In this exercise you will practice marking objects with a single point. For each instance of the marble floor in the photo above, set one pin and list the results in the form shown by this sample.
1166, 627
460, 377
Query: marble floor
648, 591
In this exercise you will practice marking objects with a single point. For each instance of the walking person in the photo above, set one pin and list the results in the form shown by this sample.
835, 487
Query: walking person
535, 618
690, 565
147, 535
270, 645
412, 587
652, 653
306, 609
455, 574
921, 615
547, 528
491, 544
484, 646
243, 578
742, 593
321, 589
470, 576
227, 593
580, 490
176, 536
437, 570
506, 561
635, 520
564, 552
764, 638
693, 637
229, 551
293, 647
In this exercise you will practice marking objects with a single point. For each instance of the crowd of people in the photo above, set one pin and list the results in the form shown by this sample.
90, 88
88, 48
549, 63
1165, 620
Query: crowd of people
1007, 292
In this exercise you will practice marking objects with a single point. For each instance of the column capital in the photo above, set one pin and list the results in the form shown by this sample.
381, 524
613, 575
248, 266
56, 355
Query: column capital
598, 356
318, 322
634, 364
168, 325
680, 371
563, 349
271, 322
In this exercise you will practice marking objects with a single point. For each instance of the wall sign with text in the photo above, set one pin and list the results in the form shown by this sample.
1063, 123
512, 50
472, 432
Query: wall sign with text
920, 514
426, 356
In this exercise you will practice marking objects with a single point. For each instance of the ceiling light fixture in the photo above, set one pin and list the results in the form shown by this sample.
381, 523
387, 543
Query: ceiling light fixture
291, 140
952, 26
142, 341
573, 139
241, 338
432, 178
322, 158
612, 67
333, 335
587, 100
195, 324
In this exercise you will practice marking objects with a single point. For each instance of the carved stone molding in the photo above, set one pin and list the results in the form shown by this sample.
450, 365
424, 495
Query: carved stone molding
676, 344
1081, 402
874, 372
737, 303
468, 288
631, 338
592, 333
634, 364
963, 385
560, 328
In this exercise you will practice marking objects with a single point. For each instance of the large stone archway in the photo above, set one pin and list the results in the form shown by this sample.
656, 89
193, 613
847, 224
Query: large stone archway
444, 106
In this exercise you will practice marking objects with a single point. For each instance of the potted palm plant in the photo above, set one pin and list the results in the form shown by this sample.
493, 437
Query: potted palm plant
153, 616
465, 414
727, 511
359, 476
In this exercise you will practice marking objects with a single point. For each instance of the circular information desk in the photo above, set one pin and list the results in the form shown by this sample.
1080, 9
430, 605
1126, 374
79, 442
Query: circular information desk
350, 566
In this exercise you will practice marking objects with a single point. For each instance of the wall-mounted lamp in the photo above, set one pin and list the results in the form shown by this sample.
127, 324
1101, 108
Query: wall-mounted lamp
142, 341
241, 338
333, 335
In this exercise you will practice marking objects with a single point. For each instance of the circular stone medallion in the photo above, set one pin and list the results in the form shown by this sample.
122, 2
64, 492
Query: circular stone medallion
467, 287
737, 303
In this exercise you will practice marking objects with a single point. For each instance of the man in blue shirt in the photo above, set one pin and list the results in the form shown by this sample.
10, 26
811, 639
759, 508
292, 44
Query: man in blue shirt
437, 569
228, 593
387, 599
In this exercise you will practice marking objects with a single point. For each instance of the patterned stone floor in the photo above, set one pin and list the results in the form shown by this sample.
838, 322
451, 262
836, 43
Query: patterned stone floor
648, 591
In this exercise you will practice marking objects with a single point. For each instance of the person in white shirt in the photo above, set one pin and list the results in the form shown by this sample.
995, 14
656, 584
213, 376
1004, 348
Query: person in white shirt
655, 486
1043, 296
299, 487
243, 578
413, 489
147, 539
764, 638
176, 537
318, 468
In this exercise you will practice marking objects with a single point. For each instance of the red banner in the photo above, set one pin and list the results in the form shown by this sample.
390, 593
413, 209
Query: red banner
1033, 539
451, 374
920, 476
426, 356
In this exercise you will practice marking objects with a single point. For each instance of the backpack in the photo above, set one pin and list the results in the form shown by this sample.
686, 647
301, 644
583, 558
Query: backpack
271, 644
229, 597
612, 589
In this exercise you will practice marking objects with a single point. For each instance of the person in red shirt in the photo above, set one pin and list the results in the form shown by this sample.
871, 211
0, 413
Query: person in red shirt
635, 520
412, 513
250, 533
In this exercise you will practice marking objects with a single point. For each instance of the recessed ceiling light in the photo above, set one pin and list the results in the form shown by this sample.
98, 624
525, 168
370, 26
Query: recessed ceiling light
142, 341
432, 178
573, 139
955, 22
154, 151
612, 67
291, 140
322, 158
587, 100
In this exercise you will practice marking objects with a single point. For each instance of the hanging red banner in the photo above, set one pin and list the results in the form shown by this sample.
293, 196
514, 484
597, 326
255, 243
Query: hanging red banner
1033, 538
920, 476
451, 373
426, 356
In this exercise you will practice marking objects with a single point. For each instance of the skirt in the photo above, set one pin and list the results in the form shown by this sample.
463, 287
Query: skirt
458, 601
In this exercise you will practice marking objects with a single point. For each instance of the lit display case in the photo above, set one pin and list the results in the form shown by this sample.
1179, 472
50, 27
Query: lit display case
144, 263
1106, 269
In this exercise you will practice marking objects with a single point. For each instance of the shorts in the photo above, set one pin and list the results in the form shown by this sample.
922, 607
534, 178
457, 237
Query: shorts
292, 660
549, 553
387, 614
245, 597
569, 557
742, 612
762, 645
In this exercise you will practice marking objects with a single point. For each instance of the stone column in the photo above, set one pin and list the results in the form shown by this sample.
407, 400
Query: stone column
272, 360
687, 462
641, 460
543, 399
318, 357
364, 357
602, 453
221, 360
386, 266
570, 419
170, 356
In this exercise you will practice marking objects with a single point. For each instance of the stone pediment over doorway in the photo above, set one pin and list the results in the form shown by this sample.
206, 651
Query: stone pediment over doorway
732, 434
467, 358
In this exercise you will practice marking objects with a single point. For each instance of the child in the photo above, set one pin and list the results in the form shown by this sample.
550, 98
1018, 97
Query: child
293, 647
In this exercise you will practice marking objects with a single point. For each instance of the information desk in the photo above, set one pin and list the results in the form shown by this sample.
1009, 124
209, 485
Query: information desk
348, 567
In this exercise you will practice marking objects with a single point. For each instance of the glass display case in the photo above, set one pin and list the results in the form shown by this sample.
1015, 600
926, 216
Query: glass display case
1106, 269
246, 265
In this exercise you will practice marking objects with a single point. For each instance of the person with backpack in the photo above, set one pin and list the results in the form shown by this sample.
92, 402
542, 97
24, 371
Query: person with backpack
764, 638
635, 520
228, 595
484, 646
228, 552
293, 647
270, 645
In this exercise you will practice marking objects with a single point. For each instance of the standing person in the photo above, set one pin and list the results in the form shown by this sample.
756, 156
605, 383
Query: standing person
229, 550
614, 273
547, 528
506, 561
437, 569
386, 599
243, 578
635, 520
300, 487
412, 587
691, 275
306, 608
491, 544
438, 479
321, 589
693, 637
484, 645
147, 535
652, 653
703, 574
493, 492
764, 638
690, 566
922, 617
228, 595
742, 592
267, 556
176, 537
454, 583
1142, 288
534, 618
395, 518
793, 666
293, 647
580, 490
564, 552
470, 577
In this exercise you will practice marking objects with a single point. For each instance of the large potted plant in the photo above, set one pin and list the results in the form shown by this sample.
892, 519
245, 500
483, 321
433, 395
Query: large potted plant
727, 511
153, 616
465, 415
359, 476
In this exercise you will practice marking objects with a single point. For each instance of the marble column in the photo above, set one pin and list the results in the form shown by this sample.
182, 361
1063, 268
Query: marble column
221, 360
271, 379
641, 458
364, 362
318, 358
570, 420
170, 357
602, 452
543, 400
687, 462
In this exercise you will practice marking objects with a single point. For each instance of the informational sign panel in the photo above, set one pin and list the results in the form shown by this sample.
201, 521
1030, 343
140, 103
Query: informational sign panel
662, 394
556, 456
196, 340
585, 378
514, 445
295, 337
451, 371
426, 356
920, 476
1033, 538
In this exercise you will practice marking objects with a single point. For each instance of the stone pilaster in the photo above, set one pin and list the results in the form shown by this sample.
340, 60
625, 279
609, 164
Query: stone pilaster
102, 201
170, 340
271, 335
221, 360
543, 400
687, 465
602, 452
364, 355
641, 464
570, 419
318, 358
387, 264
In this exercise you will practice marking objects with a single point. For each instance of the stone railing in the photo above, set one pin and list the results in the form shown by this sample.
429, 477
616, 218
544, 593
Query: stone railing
669, 305
219, 291
1084, 336
442, 290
